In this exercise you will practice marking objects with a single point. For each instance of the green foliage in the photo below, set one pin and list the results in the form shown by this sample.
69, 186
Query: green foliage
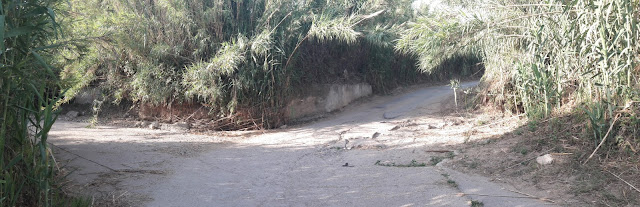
29, 85
475, 203
223, 53
452, 183
540, 55
437, 37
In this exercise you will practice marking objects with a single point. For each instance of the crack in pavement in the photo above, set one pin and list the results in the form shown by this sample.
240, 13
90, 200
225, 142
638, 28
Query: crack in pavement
296, 166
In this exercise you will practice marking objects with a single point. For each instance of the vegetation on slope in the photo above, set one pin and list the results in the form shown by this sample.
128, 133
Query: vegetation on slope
234, 56
570, 66
542, 57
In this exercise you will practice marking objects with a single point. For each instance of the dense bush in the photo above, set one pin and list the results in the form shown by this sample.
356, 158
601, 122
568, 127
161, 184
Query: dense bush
226, 54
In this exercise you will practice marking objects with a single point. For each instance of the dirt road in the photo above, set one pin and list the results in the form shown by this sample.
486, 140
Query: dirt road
363, 156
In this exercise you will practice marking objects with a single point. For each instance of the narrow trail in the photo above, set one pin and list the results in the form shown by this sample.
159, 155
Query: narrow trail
300, 166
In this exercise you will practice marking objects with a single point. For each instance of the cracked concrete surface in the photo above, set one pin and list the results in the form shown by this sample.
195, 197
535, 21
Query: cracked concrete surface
300, 166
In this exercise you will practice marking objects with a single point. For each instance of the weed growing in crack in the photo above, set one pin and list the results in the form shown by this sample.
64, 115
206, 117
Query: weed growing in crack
476, 203
518, 132
474, 165
452, 183
413, 163
435, 160
96, 108
450, 155
533, 126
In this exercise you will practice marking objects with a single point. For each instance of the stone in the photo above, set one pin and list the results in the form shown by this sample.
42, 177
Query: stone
182, 125
363, 144
154, 125
436, 126
72, 114
176, 127
375, 135
144, 124
545, 159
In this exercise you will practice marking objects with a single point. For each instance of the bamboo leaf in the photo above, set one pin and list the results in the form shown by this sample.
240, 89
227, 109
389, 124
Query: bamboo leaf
42, 62
2, 32
13, 161
16, 32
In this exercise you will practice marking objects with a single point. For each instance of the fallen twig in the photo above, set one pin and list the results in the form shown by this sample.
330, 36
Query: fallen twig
634, 187
440, 151
187, 119
564, 153
603, 139
545, 152
504, 196
533, 197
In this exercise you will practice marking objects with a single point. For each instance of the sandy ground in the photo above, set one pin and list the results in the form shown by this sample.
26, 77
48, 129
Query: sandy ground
384, 151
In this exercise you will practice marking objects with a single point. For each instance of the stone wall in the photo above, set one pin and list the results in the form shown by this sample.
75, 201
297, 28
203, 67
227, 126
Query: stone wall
324, 98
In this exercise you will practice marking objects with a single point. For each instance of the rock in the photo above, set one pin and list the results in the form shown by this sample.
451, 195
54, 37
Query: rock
144, 124
182, 125
395, 128
154, 125
177, 127
363, 144
72, 114
454, 122
436, 126
545, 159
375, 135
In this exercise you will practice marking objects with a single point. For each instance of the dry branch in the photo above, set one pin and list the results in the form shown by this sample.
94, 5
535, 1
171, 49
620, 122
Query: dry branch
603, 139
629, 184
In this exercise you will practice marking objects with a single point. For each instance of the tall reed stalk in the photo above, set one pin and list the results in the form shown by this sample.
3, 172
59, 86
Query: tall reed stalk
540, 56
29, 92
